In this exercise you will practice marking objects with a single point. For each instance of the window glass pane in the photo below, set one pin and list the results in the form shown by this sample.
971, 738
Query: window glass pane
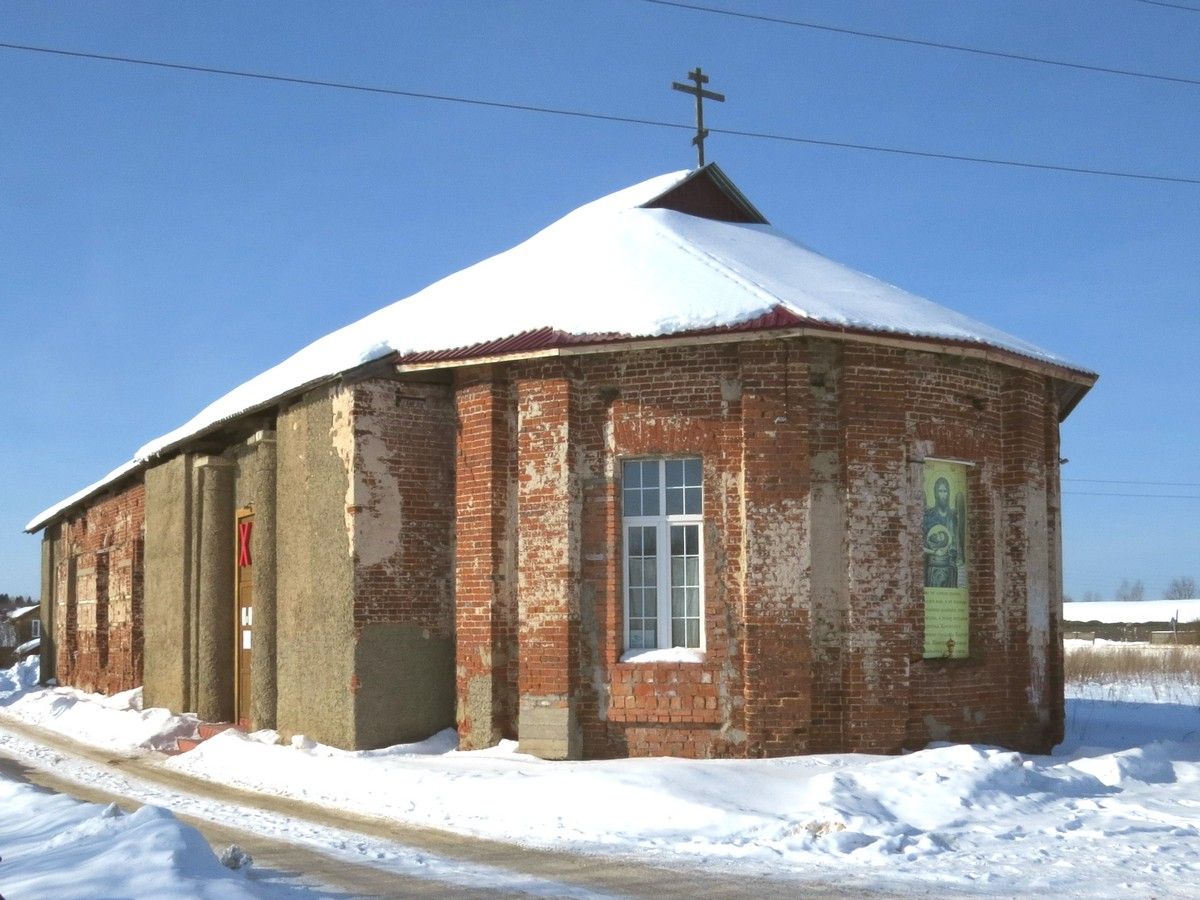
685, 585
650, 474
693, 501
642, 597
691, 472
631, 503
649, 502
631, 474
674, 473
674, 501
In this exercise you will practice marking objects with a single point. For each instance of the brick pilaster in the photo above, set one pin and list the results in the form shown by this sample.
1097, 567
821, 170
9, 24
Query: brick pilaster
885, 604
548, 494
1026, 599
485, 596
778, 664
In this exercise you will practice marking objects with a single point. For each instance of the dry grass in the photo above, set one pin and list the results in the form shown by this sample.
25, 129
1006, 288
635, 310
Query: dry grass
1108, 663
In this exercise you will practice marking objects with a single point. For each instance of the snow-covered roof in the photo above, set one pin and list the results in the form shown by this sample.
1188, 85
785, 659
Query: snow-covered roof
616, 266
27, 647
1114, 612
23, 612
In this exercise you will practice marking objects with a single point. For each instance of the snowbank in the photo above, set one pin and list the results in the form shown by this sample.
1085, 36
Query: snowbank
1113, 612
115, 723
55, 846
21, 677
945, 810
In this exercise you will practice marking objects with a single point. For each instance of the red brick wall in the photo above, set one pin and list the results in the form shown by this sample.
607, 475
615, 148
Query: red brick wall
404, 477
813, 626
98, 594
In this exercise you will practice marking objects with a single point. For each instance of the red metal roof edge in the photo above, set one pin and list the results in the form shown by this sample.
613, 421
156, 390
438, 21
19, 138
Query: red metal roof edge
778, 317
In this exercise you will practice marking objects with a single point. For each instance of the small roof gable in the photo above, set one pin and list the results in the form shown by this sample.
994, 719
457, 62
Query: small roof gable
709, 194
683, 253
24, 611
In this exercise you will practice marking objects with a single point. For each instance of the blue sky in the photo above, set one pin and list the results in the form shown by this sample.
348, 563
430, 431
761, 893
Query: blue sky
166, 235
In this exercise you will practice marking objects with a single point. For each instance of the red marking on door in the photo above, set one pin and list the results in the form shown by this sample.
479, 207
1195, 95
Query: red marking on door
244, 543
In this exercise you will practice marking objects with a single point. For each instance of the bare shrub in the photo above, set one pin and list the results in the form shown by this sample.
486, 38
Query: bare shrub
1107, 663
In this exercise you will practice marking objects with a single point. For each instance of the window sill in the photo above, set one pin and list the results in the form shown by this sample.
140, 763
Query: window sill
672, 655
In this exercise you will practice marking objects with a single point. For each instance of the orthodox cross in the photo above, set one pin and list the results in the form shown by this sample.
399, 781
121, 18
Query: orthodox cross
700, 93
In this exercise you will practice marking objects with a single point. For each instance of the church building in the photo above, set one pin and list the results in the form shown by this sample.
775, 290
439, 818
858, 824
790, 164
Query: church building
659, 480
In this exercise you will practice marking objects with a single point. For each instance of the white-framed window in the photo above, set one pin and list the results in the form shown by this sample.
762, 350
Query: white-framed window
35, 628
662, 525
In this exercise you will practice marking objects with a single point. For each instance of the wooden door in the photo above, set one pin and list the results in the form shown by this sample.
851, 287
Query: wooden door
244, 603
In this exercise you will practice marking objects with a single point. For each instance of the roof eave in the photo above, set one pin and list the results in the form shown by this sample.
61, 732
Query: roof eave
779, 322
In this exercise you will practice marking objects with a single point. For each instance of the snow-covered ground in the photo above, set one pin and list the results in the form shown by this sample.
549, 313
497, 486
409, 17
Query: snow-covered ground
1112, 812
58, 847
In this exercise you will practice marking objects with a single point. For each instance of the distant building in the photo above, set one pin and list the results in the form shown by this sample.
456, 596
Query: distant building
1159, 621
659, 480
26, 625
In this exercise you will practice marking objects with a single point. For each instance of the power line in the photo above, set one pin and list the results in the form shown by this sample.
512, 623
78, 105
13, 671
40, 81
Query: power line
1154, 483
1155, 496
991, 161
1170, 5
919, 42
340, 85
604, 117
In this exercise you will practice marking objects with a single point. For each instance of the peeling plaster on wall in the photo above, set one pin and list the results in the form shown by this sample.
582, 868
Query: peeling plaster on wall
609, 463
731, 390
938, 731
999, 564
341, 436
986, 511
781, 547
807, 585
874, 491
546, 474
377, 499
1037, 567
